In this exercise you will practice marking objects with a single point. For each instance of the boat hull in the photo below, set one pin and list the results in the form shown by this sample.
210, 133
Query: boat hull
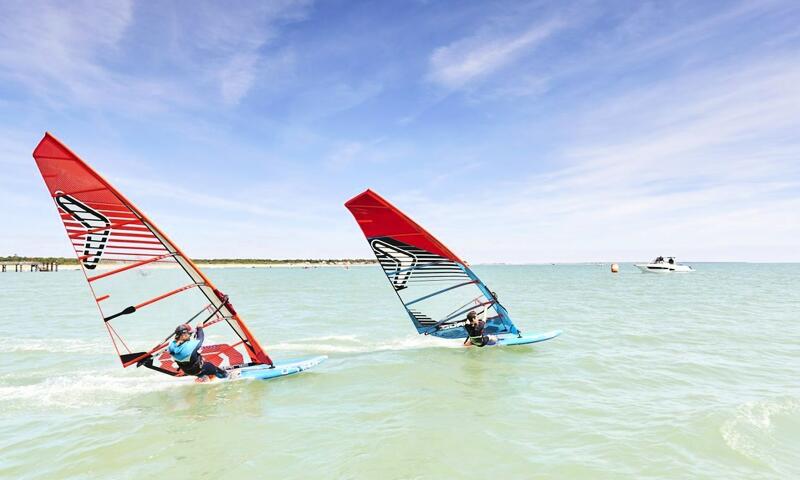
663, 268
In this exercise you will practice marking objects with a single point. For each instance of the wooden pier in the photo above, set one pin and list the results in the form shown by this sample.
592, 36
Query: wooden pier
32, 266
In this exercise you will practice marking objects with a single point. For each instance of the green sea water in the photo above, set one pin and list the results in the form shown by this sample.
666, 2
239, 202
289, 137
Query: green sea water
674, 376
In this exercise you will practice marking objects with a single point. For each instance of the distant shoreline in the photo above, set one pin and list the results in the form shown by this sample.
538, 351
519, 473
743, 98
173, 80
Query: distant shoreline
72, 263
154, 266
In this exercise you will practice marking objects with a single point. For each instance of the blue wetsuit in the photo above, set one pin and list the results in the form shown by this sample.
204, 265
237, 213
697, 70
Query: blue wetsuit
187, 355
184, 352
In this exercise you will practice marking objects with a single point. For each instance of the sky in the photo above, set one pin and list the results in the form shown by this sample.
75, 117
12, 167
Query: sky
519, 132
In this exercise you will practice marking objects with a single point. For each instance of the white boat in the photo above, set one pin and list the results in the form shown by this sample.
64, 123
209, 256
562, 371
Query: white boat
662, 265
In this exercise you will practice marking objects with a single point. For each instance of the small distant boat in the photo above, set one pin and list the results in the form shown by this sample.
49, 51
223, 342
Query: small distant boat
661, 265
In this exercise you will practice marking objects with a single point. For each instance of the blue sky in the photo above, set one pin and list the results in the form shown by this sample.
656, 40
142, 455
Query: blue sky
514, 131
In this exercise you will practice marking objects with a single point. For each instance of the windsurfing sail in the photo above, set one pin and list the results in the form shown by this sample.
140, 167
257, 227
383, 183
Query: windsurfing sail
437, 288
143, 284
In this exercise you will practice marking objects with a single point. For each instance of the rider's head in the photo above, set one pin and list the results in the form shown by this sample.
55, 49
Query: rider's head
181, 330
471, 316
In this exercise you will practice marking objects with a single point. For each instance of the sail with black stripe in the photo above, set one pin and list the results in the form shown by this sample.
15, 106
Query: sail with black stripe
435, 286
143, 284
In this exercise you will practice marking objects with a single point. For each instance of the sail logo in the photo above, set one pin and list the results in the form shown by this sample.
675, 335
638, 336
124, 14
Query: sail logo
97, 226
395, 261
450, 326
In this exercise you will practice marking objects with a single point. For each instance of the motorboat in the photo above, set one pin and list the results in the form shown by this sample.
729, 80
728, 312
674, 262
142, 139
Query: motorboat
663, 265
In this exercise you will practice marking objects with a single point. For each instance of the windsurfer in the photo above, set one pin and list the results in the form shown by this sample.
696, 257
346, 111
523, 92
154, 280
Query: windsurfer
186, 353
475, 330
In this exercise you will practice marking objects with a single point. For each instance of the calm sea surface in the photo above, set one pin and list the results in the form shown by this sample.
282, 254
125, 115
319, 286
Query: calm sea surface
674, 376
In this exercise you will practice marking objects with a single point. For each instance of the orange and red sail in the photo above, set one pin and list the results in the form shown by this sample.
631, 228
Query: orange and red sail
114, 243
379, 218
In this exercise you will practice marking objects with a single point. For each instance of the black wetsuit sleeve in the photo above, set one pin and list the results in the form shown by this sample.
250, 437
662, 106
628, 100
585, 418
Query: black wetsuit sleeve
200, 336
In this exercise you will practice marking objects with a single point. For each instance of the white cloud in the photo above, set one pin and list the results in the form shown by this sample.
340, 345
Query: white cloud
698, 157
237, 77
345, 154
329, 97
359, 153
71, 54
710, 122
469, 59
232, 39
232, 203
54, 50
703, 166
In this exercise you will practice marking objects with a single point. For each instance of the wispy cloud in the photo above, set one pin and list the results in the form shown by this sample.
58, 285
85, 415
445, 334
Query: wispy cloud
72, 54
475, 57
345, 154
566, 131
709, 121
234, 203
690, 165
357, 154
232, 41
237, 77
55, 51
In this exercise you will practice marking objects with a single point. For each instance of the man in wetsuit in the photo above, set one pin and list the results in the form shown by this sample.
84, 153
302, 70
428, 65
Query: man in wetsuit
186, 353
475, 331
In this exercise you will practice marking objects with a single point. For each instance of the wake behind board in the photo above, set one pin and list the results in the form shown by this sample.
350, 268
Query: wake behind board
437, 288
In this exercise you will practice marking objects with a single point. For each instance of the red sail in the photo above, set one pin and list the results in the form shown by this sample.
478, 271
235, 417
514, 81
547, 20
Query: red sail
114, 241
379, 218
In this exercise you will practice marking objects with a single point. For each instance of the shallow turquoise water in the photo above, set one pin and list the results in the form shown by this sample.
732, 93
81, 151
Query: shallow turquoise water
674, 376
